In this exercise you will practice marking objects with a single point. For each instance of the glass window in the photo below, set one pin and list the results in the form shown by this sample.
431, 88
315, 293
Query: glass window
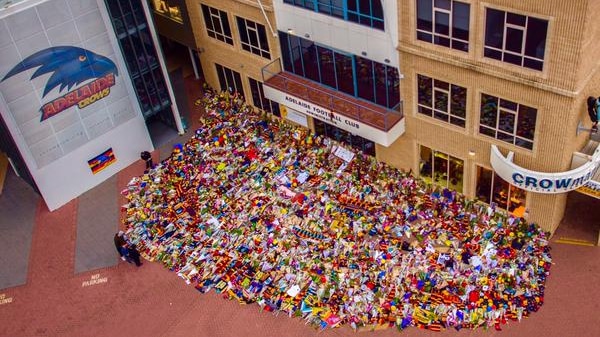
515, 38
492, 188
217, 24
259, 99
444, 22
253, 37
507, 121
441, 100
229, 80
364, 12
441, 169
351, 74
165, 8
357, 142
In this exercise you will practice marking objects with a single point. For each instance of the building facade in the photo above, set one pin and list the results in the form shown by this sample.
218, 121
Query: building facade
432, 86
509, 74
78, 80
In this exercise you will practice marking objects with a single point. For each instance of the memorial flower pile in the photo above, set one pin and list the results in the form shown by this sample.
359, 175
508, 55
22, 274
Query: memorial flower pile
264, 212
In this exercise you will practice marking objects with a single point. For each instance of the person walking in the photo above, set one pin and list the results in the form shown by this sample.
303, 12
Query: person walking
120, 244
133, 254
147, 157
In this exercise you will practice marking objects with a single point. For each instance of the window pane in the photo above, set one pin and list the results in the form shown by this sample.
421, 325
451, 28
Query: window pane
364, 69
426, 164
343, 68
424, 37
424, 111
424, 15
487, 131
425, 91
516, 19
442, 23
484, 184
526, 122
535, 44
442, 41
506, 121
505, 137
514, 40
460, 21
504, 103
458, 101
221, 75
445, 4
242, 29
489, 109
441, 84
455, 177
327, 66
285, 52
441, 100
225, 23
533, 64
310, 59
377, 9
393, 87
457, 121
511, 58
380, 84
494, 28
440, 169
500, 190
460, 45
296, 55
492, 54
238, 82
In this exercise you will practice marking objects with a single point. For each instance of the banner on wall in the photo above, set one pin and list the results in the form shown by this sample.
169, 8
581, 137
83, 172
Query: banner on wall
543, 182
69, 66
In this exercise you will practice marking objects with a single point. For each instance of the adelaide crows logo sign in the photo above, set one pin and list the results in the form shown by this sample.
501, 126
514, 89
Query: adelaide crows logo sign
70, 66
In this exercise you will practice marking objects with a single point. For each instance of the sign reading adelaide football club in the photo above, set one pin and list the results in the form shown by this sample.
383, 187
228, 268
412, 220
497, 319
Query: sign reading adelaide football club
543, 182
69, 66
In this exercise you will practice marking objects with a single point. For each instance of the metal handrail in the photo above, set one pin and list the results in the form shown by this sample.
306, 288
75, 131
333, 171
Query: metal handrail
328, 100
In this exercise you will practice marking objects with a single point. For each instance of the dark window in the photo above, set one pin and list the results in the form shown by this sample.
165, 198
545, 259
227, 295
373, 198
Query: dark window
351, 74
444, 23
441, 169
515, 39
357, 142
364, 12
229, 80
253, 37
259, 99
217, 24
507, 121
441, 100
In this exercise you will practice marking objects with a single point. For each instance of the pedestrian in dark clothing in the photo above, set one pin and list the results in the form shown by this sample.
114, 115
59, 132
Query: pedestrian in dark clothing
147, 157
133, 254
592, 107
120, 245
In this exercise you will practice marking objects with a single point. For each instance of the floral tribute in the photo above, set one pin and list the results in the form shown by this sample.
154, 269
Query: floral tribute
264, 212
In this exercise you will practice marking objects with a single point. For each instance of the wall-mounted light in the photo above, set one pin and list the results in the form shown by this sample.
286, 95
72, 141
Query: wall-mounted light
290, 31
364, 53
307, 35
471, 153
386, 60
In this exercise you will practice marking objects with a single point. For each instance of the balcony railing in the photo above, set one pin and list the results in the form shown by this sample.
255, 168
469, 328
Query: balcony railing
358, 109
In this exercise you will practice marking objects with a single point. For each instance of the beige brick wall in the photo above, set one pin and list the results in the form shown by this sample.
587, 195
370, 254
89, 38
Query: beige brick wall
567, 21
233, 57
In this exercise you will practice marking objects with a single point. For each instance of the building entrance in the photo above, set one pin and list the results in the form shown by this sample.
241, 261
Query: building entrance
580, 225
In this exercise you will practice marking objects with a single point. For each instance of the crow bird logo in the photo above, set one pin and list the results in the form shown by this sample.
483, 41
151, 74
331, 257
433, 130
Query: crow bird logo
69, 66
